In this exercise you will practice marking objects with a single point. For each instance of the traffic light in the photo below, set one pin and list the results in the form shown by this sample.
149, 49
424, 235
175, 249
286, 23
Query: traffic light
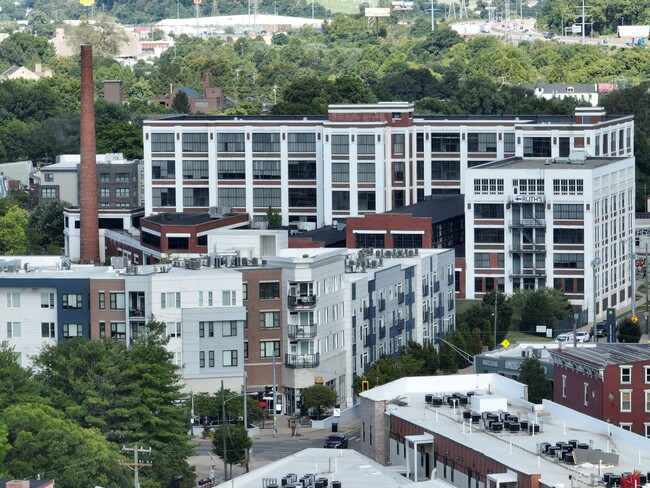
365, 385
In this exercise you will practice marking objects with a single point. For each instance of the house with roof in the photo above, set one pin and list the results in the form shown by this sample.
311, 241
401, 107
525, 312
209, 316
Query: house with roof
211, 99
583, 92
610, 382
20, 72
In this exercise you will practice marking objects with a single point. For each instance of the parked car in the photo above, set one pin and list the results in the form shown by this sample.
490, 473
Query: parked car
583, 336
566, 337
548, 35
601, 329
336, 442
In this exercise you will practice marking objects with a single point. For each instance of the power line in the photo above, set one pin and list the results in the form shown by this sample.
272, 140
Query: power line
136, 464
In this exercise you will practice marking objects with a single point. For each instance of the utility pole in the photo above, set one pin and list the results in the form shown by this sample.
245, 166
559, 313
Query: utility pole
136, 464
275, 400
223, 432
495, 318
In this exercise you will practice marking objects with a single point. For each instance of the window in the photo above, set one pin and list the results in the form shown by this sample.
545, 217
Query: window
103, 178
646, 374
586, 394
407, 241
269, 348
482, 142
488, 186
231, 169
162, 142
366, 200
266, 142
232, 197
122, 177
229, 328
340, 172
122, 192
178, 242
509, 142
163, 169
269, 290
71, 302
105, 193
48, 192
568, 261
340, 200
266, 169
195, 169
569, 211
13, 330
196, 197
646, 396
202, 327
117, 301
445, 142
398, 171
49, 177
488, 211
567, 187
626, 400
72, 330
47, 300
244, 292
269, 320
230, 358
398, 143
340, 144
201, 359
229, 298
211, 359
563, 386
170, 300
48, 330
230, 142
118, 330
370, 241
568, 236
102, 300
528, 186
163, 197
419, 171
366, 172
102, 330
481, 260
245, 349
488, 236
302, 197
445, 170
366, 144
205, 299
302, 170
195, 142
301, 142
173, 329
539, 147
626, 375
267, 197
13, 300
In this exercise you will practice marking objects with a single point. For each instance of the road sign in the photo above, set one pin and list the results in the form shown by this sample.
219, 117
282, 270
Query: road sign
634, 319
505, 343
337, 412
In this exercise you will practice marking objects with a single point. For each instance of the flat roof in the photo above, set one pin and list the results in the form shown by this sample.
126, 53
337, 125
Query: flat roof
438, 208
184, 218
348, 466
328, 235
405, 399
550, 163
608, 354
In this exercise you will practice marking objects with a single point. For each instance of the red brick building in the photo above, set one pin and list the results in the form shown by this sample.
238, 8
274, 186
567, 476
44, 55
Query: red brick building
610, 382
211, 99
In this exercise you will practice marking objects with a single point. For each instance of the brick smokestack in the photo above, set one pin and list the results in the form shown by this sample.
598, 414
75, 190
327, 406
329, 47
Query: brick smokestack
88, 168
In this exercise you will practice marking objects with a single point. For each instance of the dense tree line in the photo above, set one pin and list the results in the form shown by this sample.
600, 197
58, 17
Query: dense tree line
68, 418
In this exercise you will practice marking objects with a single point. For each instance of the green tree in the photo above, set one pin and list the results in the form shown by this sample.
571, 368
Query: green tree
39, 24
532, 374
22, 49
181, 103
273, 218
13, 240
504, 315
628, 332
104, 34
46, 223
4, 449
387, 368
206, 405
16, 383
43, 441
125, 138
544, 306
237, 444
427, 354
319, 397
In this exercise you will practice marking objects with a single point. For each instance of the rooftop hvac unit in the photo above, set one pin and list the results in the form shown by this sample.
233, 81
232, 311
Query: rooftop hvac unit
193, 264
578, 157
130, 270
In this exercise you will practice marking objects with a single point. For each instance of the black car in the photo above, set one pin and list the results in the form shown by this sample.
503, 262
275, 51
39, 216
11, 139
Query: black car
336, 442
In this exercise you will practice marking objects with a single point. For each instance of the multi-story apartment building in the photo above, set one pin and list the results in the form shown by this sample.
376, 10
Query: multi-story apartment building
359, 159
609, 381
564, 223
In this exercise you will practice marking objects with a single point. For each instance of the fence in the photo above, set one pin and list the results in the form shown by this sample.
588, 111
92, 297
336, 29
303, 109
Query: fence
566, 325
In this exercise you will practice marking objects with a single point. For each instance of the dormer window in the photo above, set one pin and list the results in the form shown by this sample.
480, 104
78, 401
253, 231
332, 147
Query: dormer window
569, 89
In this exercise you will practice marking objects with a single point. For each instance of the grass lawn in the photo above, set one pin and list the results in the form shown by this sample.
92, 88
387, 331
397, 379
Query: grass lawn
518, 337
341, 6
463, 304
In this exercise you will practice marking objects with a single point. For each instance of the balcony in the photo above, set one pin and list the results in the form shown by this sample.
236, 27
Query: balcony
301, 301
400, 297
301, 360
366, 313
369, 341
136, 304
306, 331
527, 248
137, 312
527, 223
399, 324
382, 304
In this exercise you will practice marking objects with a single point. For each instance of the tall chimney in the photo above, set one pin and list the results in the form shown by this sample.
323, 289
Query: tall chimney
88, 168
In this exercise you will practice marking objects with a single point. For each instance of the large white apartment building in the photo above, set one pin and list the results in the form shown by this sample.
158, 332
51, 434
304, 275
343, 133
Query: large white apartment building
566, 223
358, 159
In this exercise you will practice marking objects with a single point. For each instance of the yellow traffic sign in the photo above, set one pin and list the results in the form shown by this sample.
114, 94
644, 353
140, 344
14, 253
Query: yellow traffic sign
634, 319
505, 343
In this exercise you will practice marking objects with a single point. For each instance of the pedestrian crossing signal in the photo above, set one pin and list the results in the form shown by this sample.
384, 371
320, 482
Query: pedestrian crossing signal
365, 385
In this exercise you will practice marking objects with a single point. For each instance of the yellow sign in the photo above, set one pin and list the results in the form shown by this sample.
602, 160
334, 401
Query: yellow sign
87, 2
634, 319
505, 343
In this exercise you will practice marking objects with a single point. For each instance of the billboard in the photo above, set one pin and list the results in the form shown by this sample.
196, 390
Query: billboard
402, 5
633, 31
377, 12
467, 29
607, 86
87, 3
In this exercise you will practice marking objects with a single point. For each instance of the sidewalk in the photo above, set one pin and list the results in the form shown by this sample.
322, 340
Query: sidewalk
203, 463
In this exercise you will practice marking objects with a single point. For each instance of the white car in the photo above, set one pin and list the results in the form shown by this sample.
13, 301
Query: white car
583, 336
566, 337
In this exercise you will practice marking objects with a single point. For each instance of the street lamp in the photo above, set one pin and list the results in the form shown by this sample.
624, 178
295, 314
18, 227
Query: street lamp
594, 264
